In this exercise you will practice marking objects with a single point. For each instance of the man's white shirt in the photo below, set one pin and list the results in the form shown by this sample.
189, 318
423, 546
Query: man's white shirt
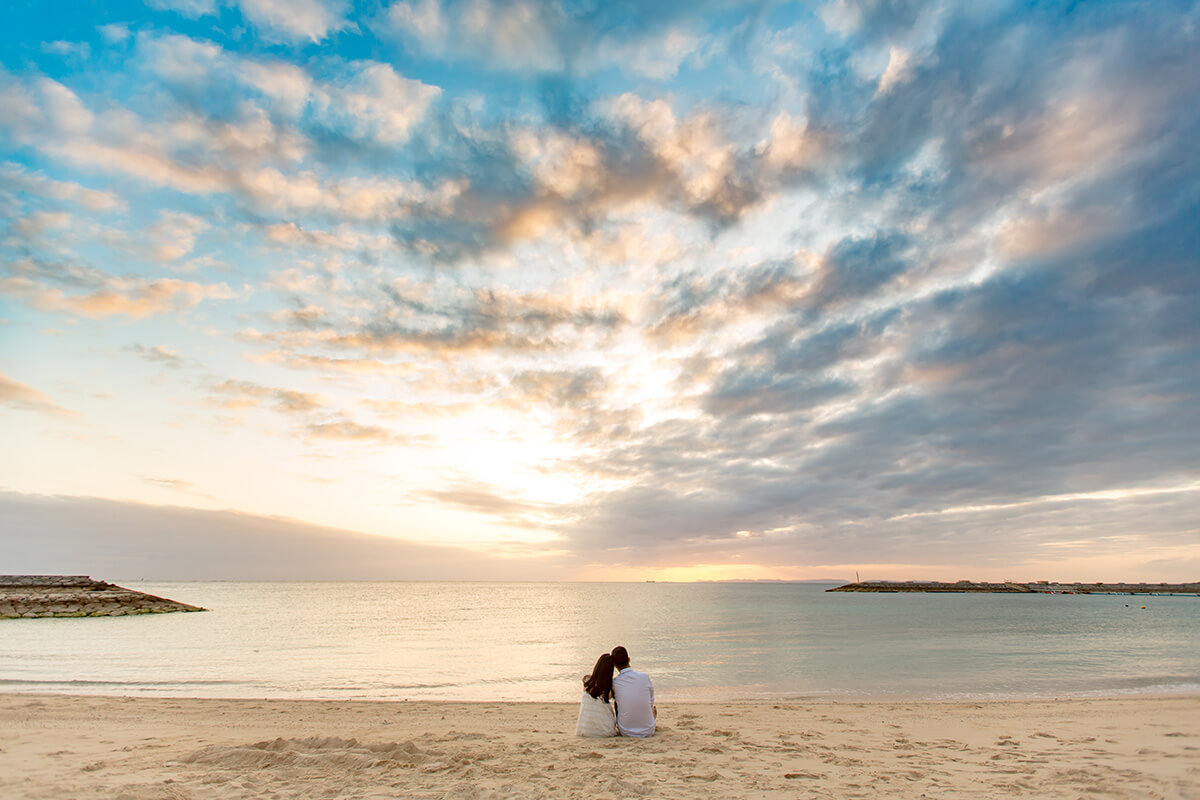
634, 694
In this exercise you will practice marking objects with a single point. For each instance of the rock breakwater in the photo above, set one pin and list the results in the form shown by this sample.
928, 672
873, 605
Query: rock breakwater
29, 596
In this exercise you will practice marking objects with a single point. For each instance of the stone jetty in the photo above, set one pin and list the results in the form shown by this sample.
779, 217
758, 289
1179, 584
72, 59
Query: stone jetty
24, 596
1012, 587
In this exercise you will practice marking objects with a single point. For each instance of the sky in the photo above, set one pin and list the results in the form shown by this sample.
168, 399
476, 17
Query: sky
600, 291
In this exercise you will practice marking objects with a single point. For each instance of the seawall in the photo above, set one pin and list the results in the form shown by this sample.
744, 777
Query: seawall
32, 596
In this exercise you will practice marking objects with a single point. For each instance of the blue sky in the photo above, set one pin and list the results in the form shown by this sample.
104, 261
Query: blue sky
601, 290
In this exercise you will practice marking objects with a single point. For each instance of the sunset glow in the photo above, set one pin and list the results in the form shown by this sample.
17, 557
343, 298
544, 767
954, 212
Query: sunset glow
627, 291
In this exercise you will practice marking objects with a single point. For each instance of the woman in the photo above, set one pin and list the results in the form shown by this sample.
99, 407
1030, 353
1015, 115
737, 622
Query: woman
597, 715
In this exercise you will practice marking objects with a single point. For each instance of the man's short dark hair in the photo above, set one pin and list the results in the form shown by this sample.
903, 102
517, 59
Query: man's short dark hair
620, 657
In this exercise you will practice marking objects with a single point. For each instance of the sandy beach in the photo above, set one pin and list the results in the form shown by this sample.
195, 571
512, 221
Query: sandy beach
57, 747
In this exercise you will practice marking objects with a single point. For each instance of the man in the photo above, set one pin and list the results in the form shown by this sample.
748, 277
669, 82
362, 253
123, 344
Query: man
634, 695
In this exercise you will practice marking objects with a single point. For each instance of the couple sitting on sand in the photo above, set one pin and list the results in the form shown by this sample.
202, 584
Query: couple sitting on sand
620, 706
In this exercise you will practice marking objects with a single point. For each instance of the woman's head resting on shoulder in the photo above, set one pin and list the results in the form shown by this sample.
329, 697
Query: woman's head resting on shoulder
599, 683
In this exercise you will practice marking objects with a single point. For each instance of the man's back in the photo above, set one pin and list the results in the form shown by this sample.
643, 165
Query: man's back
634, 694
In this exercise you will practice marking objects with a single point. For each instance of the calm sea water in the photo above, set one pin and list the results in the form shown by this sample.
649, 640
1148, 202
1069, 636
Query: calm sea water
533, 641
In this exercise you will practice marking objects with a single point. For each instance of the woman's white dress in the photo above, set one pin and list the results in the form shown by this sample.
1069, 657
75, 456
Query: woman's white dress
597, 718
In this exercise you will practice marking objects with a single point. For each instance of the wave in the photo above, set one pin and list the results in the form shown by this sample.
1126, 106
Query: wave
34, 682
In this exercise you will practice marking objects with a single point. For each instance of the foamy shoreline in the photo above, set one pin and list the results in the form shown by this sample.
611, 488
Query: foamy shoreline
75, 746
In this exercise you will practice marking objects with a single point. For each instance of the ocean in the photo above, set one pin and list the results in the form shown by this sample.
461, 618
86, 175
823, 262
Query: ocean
534, 641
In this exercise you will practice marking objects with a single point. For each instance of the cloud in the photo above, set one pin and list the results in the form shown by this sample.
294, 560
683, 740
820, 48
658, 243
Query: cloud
174, 235
348, 430
785, 295
565, 388
375, 103
29, 229
176, 485
482, 499
25, 398
242, 394
94, 294
188, 8
349, 366
415, 319
658, 55
119, 541
849, 273
80, 50
625, 156
315, 418
18, 177
791, 145
159, 354
536, 36
289, 20
364, 100
854, 269
114, 32
296, 19
249, 153
520, 35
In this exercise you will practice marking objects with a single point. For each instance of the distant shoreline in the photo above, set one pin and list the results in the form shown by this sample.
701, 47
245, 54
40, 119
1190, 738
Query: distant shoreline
1012, 587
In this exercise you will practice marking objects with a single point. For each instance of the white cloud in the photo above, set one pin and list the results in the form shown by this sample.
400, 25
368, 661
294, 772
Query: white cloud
296, 19
289, 86
114, 33
133, 297
519, 36
352, 198
842, 16
657, 56
376, 103
292, 20
365, 100
182, 60
193, 9
791, 144
174, 235
18, 178
897, 69
563, 164
193, 155
526, 36
422, 21
27, 229
15, 394
62, 107
19, 109
693, 148
65, 49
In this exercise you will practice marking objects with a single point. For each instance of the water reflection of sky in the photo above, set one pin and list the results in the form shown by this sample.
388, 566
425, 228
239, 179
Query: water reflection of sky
529, 641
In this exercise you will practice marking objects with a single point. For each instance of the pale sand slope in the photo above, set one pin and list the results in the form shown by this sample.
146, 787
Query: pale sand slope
143, 749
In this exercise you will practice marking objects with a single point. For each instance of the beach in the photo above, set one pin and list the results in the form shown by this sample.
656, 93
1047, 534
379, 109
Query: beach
62, 746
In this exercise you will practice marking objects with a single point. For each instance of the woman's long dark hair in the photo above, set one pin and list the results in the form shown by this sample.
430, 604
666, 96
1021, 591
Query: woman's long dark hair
599, 683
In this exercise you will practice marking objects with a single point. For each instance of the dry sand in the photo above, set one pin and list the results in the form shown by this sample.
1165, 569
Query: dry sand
145, 749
